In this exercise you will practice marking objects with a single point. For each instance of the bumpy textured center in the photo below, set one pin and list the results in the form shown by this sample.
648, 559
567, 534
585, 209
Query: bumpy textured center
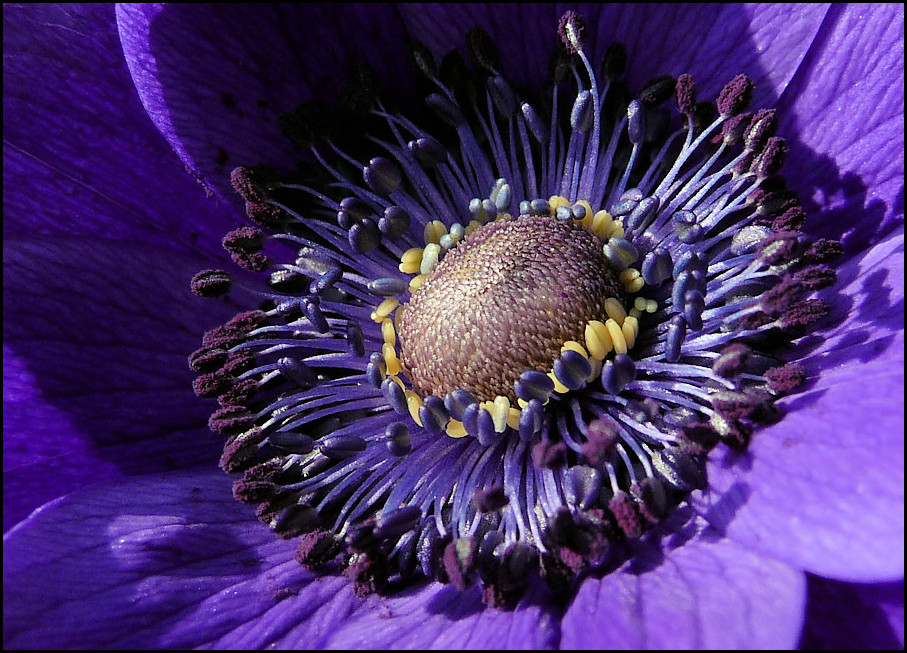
502, 302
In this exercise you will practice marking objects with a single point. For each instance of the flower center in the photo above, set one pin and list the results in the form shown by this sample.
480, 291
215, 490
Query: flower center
410, 306
502, 302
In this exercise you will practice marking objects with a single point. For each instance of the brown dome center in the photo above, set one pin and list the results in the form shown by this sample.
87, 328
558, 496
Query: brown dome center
502, 302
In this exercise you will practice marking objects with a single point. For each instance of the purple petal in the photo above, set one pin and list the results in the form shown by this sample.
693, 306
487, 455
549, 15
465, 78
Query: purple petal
714, 42
824, 489
80, 156
96, 384
215, 80
844, 616
174, 562
700, 592
847, 103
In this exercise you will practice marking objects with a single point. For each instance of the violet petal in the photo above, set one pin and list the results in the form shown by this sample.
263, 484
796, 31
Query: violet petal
845, 616
215, 86
96, 383
79, 155
174, 562
681, 598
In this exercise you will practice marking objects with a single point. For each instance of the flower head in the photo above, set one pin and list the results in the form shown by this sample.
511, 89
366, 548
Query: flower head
605, 442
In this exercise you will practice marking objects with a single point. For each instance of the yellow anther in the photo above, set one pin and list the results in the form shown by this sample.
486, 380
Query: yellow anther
411, 261
555, 201
500, 413
602, 223
635, 285
433, 232
596, 370
456, 429
513, 418
573, 345
598, 339
559, 387
651, 306
385, 308
640, 304
398, 381
388, 332
615, 310
416, 282
430, 257
630, 329
414, 403
617, 230
634, 313
391, 362
522, 403
617, 336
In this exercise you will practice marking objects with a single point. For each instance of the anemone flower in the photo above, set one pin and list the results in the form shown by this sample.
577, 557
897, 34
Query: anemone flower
605, 514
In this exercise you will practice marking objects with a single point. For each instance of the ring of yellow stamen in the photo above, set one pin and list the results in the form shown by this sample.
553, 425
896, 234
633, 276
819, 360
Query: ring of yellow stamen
616, 332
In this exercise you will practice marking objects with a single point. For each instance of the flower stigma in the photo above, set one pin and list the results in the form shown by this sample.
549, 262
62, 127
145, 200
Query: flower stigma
500, 346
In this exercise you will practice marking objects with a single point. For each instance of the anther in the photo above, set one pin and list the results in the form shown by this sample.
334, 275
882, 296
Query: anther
816, 277
399, 440
537, 126
394, 223
602, 438
250, 183
491, 499
582, 114
572, 369
211, 283
792, 220
428, 152
617, 373
392, 525
571, 29
686, 227
582, 487
677, 333
685, 91
763, 126
531, 419
501, 195
749, 239
433, 414
785, 379
693, 306
231, 420
502, 96
382, 175
534, 385
658, 90
732, 361
395, 395
340, 447
311, 307
822, 251
626, 514
642, 214
615, 62
636, 122
620, 253
388, 286
445, 110
364, 236
735, 96
657, 266
772, 157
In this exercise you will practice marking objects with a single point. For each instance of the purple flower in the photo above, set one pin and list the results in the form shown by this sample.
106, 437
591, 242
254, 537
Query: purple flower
137, 542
